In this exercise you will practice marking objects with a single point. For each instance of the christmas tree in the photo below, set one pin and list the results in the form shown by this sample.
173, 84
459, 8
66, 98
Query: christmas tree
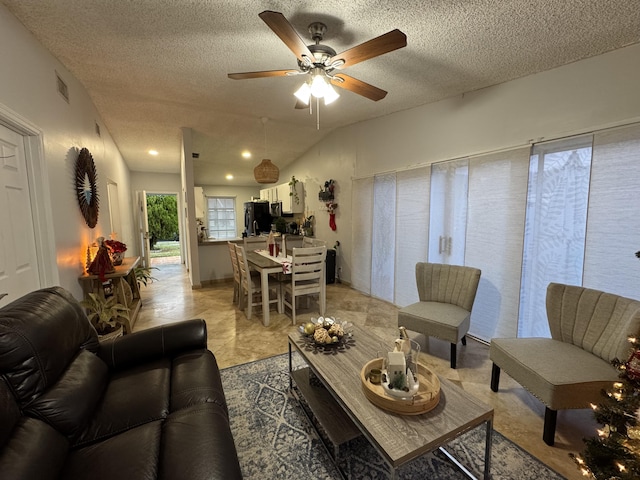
615, 453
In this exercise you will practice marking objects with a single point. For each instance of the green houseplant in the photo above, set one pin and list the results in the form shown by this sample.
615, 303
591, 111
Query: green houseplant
143, 275
293, 191
103, 313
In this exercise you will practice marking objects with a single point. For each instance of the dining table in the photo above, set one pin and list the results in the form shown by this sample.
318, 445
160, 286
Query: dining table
261, 261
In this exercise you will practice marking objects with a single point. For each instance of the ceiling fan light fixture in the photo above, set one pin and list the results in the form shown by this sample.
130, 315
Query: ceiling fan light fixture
318, 86
330, 95
303, 93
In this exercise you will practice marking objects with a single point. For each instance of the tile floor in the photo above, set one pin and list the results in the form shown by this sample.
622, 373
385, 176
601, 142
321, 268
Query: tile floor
234, 339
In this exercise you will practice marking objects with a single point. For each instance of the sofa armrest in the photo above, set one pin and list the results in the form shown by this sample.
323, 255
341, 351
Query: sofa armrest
154, 343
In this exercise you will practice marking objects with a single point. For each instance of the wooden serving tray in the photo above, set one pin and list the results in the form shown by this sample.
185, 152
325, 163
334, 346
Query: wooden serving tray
426, 399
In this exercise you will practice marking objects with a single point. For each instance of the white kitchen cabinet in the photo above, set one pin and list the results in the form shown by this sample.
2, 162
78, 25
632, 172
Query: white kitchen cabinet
292, 197
270, 194
281, 193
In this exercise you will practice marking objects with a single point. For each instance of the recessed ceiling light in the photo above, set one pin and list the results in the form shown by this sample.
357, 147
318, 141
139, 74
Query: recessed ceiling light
246, 154
153, 152
229, 177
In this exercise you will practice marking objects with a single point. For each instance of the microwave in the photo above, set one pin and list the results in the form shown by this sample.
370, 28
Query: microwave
276, 209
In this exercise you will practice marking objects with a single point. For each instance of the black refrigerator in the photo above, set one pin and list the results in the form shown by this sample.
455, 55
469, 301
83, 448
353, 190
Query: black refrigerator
257, 218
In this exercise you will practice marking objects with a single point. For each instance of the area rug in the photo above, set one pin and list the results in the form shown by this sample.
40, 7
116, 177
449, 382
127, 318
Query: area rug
275, 439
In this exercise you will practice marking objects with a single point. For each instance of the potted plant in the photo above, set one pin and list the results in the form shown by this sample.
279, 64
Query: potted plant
293, 192
103, 313
143, 275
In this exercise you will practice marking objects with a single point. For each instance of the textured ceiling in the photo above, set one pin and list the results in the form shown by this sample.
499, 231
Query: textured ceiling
154, 66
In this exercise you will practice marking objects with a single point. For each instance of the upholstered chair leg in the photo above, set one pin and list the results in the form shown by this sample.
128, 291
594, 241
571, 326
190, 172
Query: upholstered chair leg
464, 340
549, 433
454, 355
495, 377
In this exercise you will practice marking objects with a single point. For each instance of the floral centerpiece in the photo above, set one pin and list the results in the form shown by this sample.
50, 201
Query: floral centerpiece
116, 250
327, 334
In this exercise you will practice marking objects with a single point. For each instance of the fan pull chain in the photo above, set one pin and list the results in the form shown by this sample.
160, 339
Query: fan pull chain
317, 113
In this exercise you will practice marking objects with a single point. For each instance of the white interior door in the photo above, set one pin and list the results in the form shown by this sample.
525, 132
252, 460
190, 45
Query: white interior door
448, 212
18, 258
143, 225
114, 209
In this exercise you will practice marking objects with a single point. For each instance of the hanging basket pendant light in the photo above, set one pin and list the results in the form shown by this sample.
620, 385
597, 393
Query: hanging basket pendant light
266, 172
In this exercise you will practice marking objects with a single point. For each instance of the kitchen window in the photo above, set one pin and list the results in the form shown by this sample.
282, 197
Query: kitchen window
221, 217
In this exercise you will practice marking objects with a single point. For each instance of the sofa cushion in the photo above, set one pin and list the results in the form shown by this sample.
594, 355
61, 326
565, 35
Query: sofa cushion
197, 444
133, 454
40, 334
35, 450
195, 379
9, 412
132, 397
68, 404
576, 382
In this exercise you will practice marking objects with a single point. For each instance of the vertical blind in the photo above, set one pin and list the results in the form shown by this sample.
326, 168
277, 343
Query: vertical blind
384, 236
361, 234
497, 199
555, 225
613, 224
412, 231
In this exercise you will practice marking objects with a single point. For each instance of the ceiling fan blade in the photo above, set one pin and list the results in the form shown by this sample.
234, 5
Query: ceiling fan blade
358, 86
386, 43
283, 29
263, 74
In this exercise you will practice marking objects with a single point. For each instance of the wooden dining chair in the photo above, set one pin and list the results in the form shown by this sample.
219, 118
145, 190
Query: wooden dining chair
312, 242
307, 278
236, 272
255, 243
251, 286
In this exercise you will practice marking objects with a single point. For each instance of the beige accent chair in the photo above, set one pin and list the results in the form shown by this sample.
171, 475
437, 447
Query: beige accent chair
589, 329
251, 287
307, 278
236, 272
446, 293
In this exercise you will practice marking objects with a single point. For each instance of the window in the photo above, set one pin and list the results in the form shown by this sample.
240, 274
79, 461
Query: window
221, 217
555, 226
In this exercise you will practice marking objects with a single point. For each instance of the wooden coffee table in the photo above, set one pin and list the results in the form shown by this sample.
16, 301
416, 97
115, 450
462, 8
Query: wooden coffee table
399, 439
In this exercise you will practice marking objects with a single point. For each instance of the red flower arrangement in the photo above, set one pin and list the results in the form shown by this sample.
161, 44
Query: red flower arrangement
115, 246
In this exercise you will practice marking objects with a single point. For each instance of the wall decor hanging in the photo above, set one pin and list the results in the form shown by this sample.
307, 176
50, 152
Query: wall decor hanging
87, 188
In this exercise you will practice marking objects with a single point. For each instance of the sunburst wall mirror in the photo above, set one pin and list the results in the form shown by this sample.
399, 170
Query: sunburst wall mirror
87, 188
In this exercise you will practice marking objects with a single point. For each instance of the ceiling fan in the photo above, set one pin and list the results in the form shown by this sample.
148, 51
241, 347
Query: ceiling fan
322, 63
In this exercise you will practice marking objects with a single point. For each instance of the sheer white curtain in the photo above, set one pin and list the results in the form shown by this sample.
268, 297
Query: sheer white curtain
384, 235
555, 226
495, 231
412, 231
613, 226
361, 231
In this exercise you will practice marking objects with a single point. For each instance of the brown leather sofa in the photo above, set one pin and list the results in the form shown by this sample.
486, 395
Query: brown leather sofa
148, 405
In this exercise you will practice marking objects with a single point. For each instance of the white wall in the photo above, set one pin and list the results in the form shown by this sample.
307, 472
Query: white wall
584, 96
28, 88
332, 158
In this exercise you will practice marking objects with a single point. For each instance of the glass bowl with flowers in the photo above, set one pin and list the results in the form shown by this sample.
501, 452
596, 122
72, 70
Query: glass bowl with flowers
116, 251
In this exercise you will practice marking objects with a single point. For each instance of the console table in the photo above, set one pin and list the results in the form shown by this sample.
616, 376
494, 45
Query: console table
125, 288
